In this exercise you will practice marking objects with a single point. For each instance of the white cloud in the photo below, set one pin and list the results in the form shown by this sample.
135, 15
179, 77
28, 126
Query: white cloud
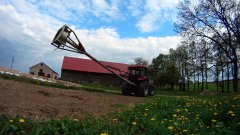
105, 44
155, 13
107, 10
26, 26
136, 7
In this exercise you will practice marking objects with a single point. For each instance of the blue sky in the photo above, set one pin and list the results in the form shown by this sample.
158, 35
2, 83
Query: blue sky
110, 30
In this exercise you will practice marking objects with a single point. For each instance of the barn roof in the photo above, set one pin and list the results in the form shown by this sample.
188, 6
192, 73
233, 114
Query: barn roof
86, 65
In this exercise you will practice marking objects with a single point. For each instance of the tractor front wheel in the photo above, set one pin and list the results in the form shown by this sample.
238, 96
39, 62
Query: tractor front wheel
151, 90
143, 89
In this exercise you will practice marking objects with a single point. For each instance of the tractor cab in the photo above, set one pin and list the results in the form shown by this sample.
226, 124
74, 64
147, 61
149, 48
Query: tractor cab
137, 73
137, 70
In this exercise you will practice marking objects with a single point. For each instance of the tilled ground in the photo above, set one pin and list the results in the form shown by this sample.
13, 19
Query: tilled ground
39, 102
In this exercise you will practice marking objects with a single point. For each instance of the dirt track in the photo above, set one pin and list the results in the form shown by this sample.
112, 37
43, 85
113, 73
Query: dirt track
39, 102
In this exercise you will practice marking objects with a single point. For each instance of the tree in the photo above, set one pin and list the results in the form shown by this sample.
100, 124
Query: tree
204, 19
164, 71
193, 55
182, 62
140, 61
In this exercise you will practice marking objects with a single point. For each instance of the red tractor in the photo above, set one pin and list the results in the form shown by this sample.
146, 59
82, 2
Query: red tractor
137, 82
143, 85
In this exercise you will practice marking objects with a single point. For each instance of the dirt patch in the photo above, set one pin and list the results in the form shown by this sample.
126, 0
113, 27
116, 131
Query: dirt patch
39, 102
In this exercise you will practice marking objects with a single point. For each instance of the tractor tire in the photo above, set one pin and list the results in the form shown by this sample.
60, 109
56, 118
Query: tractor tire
151, 89
125, 90
143, 89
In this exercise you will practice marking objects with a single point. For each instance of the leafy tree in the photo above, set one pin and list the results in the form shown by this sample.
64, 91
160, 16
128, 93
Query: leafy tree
206, 19
164, 70
140, 61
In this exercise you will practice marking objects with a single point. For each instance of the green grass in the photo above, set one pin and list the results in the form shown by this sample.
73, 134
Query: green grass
194, 114
212, 86
101, 88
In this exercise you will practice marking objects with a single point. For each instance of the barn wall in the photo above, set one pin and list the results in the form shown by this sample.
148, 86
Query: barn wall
86, 77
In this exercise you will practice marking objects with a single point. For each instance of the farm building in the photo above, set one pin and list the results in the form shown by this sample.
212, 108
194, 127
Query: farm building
88, 71
41, 69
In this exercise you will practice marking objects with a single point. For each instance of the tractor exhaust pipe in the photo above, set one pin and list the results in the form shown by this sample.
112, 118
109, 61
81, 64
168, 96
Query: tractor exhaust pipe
63, 41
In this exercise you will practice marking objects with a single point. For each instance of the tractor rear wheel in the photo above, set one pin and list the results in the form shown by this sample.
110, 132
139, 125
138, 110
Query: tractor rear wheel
151, 90
143, 89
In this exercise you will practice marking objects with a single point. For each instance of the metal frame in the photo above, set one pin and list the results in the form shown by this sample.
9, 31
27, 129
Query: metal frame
61, 39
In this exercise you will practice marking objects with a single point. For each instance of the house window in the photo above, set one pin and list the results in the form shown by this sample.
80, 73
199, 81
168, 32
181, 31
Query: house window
41, 64
48, 75
32, 73
40, 73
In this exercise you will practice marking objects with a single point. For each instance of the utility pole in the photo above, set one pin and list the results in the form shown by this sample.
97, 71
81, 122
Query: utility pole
12, 62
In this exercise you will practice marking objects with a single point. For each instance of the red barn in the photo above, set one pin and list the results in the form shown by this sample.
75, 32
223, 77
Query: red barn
88, 71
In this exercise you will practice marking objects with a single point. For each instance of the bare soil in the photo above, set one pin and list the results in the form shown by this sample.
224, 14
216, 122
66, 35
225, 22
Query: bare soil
40, 103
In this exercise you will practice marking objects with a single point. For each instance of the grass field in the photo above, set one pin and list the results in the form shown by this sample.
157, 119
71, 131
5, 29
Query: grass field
166, 113
210, 86
194, 114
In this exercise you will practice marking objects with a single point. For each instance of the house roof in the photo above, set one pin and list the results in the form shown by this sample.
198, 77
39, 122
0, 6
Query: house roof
86, 65
45, 65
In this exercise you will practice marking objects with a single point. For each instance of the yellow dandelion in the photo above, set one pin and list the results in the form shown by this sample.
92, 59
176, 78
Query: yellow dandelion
146, 109
215, 113
185, 130
232, 114
213, 120
229, 112
186, 110
11, 121
75, 120
153, 119
188, 104
21, 120
145, 114
178, 110
103, 134
175, 115
170, 127
134, 123
163, 122
114, 120
179, 119
182, 116
197, 118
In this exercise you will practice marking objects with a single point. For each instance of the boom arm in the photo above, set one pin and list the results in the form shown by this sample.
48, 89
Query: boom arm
63, 41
